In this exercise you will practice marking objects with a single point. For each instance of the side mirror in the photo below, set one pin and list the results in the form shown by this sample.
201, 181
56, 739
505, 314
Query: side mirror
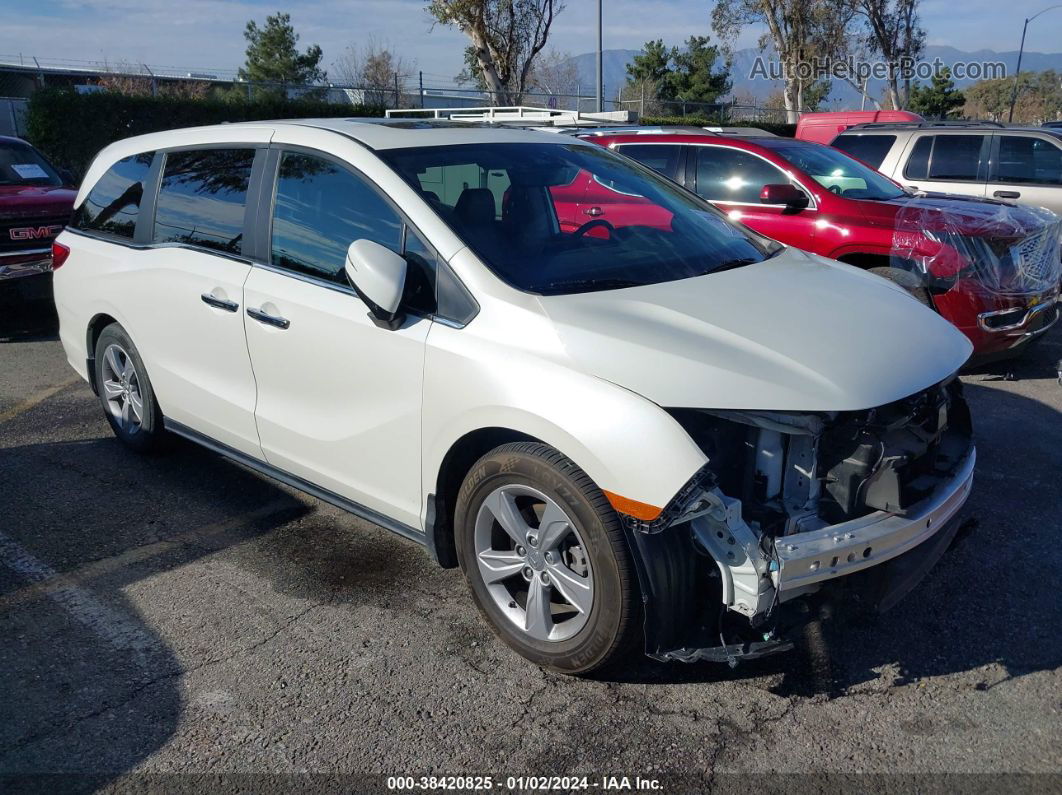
789, 195
378, 276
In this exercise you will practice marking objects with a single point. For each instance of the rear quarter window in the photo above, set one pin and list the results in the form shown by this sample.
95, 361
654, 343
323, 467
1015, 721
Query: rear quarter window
871, 149
113, 205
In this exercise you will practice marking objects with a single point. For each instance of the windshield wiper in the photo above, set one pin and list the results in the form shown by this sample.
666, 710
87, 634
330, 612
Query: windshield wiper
589, 285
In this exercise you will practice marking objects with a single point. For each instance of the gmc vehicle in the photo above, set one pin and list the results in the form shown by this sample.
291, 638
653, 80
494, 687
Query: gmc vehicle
990, 268
983, 159
35, 204
670, 434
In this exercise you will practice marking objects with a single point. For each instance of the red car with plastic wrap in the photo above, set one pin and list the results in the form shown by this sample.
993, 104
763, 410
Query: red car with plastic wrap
989, 267
36, 200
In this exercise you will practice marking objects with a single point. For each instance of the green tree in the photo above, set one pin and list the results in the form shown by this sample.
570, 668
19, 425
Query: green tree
653, 63
688, 74
939, 99
273, 55
694, 78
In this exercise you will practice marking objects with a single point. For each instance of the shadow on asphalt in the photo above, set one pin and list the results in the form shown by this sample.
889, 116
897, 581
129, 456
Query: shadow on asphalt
88, 684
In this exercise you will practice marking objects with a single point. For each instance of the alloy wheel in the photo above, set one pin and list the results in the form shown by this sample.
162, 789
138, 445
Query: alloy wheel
121, 389
534, 563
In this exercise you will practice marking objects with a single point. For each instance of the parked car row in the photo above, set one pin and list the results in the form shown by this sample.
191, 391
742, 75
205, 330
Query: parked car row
950, 252
628, 418
642, 388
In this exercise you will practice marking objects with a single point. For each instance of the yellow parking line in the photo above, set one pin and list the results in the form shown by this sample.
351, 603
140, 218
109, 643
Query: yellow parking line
40, 397
99, 568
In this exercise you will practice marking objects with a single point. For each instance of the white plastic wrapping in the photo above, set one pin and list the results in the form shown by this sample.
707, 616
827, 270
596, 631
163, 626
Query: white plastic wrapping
1009, 249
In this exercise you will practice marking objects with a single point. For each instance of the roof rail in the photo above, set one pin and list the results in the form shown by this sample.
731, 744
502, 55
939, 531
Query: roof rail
635, 129
920, 125
750, 131
517, 115
675, 130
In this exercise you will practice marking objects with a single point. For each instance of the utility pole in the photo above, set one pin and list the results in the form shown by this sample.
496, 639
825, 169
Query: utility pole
421, 88
600, 76
1021, 49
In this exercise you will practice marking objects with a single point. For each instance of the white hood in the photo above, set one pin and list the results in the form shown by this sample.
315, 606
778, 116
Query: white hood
793, 333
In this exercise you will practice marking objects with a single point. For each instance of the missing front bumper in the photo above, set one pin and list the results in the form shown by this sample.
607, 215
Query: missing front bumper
806, 559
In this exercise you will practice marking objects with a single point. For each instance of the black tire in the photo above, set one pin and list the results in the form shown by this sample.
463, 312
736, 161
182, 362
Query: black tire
907, 281
149, 435
615, 618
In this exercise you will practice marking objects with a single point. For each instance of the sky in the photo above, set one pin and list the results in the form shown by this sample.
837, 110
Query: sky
206, 35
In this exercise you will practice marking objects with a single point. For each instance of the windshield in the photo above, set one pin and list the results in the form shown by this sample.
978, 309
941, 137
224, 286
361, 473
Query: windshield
21, 164
556, 218
834, 170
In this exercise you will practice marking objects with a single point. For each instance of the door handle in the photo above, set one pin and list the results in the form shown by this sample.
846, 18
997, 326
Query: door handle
1007, 194
594, 212
269, 320
219, 303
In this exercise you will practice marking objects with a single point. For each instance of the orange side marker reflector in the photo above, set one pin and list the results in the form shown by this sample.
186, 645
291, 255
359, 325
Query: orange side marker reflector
639, 510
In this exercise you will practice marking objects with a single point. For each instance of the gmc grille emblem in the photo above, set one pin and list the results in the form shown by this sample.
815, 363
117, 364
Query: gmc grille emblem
35, 232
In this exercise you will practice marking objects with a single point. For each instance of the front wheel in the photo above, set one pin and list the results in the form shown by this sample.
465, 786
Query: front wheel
125, 392
546, 560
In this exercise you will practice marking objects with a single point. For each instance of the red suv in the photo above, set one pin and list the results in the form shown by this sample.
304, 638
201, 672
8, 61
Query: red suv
35, 204
990, 268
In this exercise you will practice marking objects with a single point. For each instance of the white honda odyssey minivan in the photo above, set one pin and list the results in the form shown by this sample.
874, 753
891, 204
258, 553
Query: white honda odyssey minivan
627, 419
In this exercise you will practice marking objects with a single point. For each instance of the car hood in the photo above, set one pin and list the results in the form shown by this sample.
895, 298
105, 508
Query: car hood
796, 332
946, 212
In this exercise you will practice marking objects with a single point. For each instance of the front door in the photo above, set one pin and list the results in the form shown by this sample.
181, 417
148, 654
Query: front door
732, 179
339, 398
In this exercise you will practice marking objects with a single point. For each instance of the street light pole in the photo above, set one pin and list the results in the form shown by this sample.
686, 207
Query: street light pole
599, 105
1021, 49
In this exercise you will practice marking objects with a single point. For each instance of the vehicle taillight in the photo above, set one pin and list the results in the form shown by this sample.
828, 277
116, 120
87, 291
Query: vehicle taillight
59, 255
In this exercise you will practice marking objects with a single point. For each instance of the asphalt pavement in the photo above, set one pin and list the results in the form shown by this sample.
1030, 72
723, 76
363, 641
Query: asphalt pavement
180, 615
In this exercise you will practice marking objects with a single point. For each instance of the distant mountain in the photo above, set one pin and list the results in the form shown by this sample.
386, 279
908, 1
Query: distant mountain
842, 95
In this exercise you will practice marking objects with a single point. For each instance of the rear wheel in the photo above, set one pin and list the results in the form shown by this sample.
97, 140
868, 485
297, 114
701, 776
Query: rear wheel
125, 392
545, 558
907, 281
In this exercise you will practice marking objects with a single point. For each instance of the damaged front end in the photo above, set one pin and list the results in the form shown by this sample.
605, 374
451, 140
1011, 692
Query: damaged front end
789, 503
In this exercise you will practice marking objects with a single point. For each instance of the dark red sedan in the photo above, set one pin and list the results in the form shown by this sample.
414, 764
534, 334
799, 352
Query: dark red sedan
990, 268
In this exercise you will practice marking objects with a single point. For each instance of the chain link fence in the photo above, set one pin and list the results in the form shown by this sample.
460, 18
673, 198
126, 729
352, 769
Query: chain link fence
21, 75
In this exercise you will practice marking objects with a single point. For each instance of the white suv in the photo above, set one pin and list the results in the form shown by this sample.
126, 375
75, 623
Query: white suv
983, 159
662, 427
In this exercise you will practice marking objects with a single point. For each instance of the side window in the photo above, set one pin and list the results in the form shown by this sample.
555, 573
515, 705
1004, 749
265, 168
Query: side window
956, 157
730, 175
202, 198
659, 157
871, 149
918, 163
320, 209
113, 204
1029, 161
